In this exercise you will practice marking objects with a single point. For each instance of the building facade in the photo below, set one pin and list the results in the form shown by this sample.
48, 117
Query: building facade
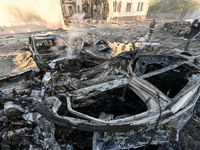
70, 7
18, 16
127, 10
122, 10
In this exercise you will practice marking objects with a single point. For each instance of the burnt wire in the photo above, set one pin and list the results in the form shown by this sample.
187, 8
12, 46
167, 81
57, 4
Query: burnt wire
166, 41
157, 123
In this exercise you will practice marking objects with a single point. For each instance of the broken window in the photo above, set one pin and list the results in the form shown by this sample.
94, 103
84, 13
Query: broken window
88, 8
78, 9
141, 8
119, 6
119, 101
114, 6
128, 7
138, 7
152, 67
70, 11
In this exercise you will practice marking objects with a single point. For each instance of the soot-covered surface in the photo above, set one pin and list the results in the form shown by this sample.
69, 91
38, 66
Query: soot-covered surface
117, 102
188, 139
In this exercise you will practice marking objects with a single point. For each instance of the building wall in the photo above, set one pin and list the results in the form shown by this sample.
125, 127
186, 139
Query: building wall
65, 4
79, 3
97, 10
30, 15
77, 6
103, 9
134, 12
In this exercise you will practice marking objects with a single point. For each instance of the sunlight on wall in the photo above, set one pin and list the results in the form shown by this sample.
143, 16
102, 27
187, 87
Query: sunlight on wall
37, 14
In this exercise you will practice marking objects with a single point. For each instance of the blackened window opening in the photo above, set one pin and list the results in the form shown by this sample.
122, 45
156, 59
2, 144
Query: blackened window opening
117, 102
152, 67
138, 6
114, 6
170, 82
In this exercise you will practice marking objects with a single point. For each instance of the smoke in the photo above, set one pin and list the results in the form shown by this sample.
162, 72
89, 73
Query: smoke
76, 30
64, 53
194, 15
73, 38
78, 16
61, 49
70, 53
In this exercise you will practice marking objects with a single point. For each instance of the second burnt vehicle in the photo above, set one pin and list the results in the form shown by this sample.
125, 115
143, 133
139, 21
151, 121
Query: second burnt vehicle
57, 58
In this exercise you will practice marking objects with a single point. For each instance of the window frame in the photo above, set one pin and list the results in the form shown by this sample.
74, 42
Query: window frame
141, 7
138, 6
128, 7
114, 6
78, 7
119, 6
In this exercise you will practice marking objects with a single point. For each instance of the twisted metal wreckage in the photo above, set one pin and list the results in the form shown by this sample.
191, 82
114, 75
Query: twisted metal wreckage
129, 101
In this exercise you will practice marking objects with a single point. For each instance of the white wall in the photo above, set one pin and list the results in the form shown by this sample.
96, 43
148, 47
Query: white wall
133, 12
30, 15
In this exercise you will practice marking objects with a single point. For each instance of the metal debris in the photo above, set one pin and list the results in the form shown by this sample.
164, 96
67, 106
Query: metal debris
176, 25
129, 101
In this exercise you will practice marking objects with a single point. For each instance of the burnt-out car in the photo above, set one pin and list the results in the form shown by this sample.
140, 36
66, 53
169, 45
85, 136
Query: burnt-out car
52, 52
129, 101
132, 100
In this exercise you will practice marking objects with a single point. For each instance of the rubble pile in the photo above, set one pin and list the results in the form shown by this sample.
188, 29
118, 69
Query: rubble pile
82, 98
174, 26
169, 38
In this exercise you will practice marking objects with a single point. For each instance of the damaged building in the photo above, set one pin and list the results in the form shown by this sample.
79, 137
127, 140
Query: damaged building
119, 10
70, 7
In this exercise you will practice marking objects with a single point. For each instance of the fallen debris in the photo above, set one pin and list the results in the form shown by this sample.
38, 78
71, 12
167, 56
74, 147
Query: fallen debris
176, 25
95, 101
